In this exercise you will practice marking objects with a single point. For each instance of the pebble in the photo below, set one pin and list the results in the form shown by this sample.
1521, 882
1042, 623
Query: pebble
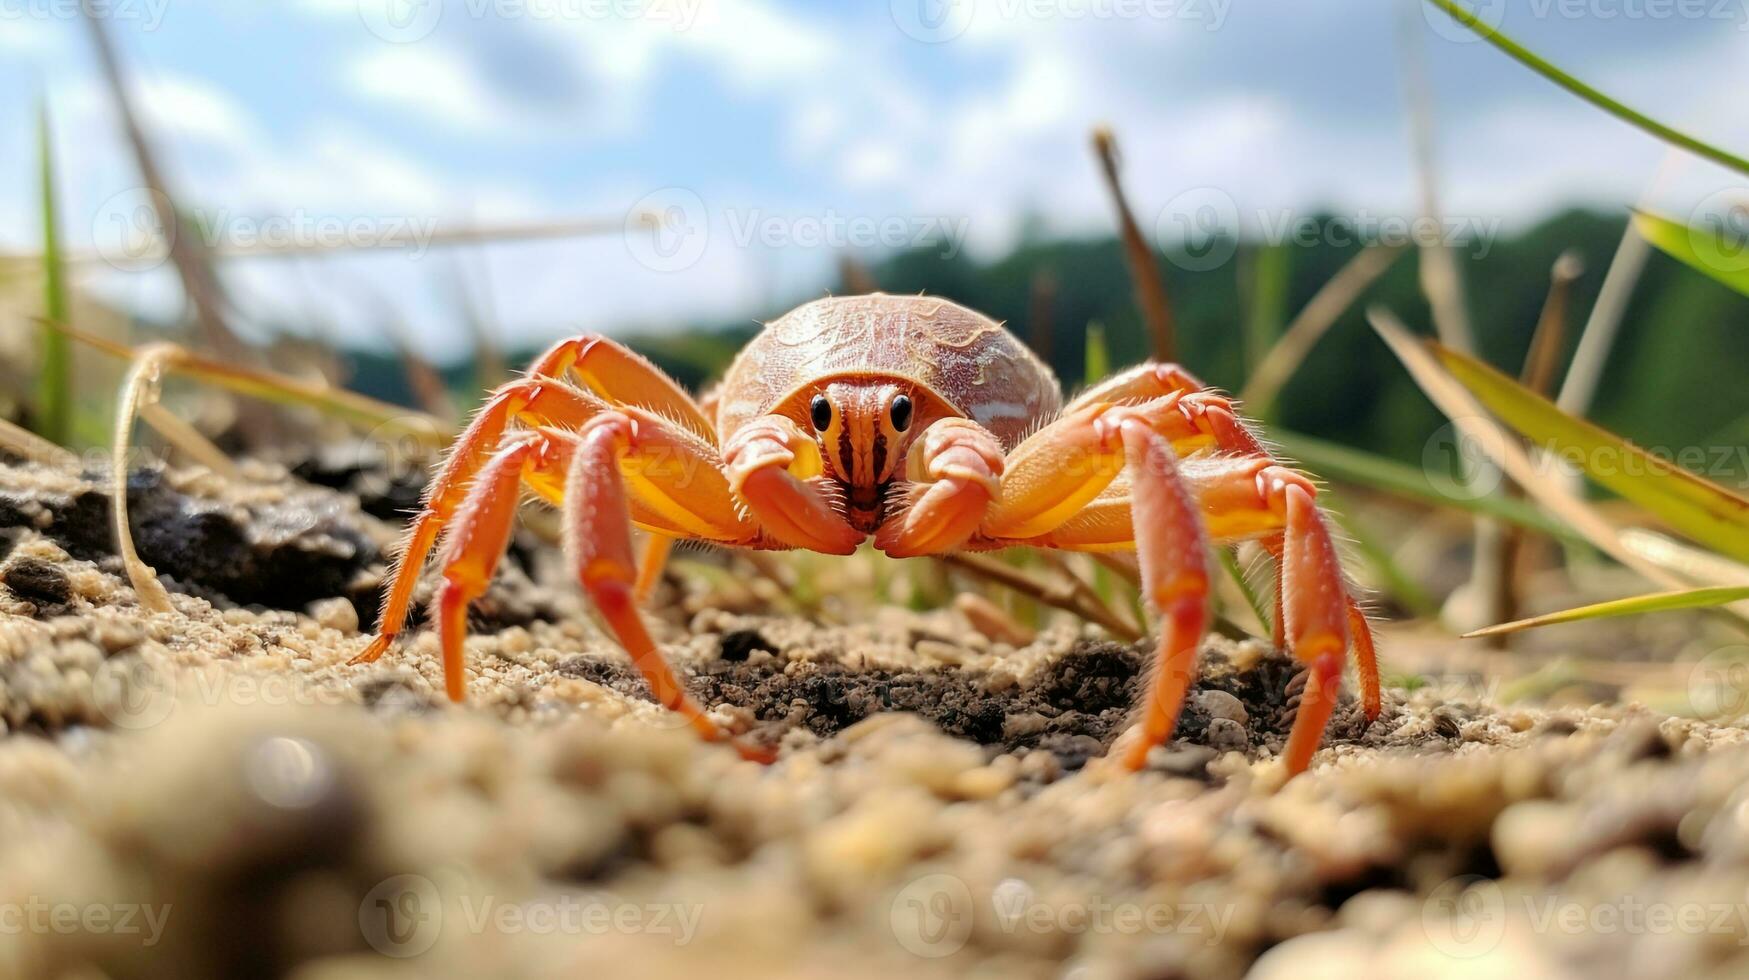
37, 581
1221, 705
336, 614
1227, 735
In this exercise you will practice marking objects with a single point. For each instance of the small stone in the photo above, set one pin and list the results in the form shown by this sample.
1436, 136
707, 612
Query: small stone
336, 614
37, 581
1221, 705
1227, 735
940, 652
1188, 760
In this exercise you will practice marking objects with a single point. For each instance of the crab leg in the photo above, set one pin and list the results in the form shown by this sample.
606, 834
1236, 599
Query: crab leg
1061, 469
534, 397
1139, 383
1315, 608
598, 543
476, 542
622, 376
1173, 551
771, 465
955, 467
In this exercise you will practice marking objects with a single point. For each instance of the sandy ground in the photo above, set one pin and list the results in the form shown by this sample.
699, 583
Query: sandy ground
213, 792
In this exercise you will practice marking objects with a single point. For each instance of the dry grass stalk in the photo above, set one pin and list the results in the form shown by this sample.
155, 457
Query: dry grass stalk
1150, 287
1068, 596
1538, 375
140, 388
1319, 315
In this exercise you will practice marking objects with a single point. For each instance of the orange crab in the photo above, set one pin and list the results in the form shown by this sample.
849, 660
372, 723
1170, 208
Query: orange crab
908, 418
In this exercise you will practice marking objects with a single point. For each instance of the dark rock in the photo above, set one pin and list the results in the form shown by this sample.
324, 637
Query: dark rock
37, 581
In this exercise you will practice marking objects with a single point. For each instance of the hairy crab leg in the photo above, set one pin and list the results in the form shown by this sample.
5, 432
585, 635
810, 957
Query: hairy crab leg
598, 543
771, 465
955, 469
622, 376
1173, 551
1062, 468
1315, 607
536, 397
1140, 383
477, 539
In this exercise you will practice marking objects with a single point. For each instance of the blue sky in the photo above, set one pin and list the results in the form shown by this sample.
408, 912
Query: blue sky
768, 135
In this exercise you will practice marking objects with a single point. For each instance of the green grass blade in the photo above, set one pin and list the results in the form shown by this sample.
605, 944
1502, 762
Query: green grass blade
1267, 293
1698, 508
1546, 69
54, 392
1707, 252
1633, 606
1097, 360
1361, 468
1263, 610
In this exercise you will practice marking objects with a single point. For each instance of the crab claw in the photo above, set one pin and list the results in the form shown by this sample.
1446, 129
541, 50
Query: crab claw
769, 461
956, 470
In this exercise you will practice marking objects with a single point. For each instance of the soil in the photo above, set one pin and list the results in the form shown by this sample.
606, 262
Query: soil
214, 791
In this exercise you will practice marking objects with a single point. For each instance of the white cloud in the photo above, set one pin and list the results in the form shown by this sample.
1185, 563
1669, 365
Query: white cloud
431, 81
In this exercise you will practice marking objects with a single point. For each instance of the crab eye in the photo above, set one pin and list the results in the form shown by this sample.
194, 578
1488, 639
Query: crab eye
901, 413
821, 411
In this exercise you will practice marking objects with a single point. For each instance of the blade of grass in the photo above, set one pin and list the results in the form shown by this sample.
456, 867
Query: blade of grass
22, 442
1097, 359
186, 248
1145, 275
1259, 607
1699, 508
1633, 606
279, 389
54, 391
1362, 468
1546, 69
1473, 422
1392, 579
1264, 286
1538, 373
1320, 314
139, 388
1706, 251
1698, 565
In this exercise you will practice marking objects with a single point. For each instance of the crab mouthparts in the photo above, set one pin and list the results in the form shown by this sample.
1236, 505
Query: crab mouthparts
866, 504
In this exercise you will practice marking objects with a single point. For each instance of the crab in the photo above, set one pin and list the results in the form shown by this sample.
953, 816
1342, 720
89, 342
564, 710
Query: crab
910, 420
